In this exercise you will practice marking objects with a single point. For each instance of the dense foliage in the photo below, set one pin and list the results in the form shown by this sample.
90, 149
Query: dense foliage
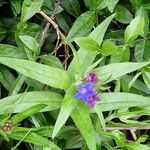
75, 74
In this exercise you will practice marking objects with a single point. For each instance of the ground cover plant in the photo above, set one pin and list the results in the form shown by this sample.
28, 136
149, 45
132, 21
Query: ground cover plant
75, 74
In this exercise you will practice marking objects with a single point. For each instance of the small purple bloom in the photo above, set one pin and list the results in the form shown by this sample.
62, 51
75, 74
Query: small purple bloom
92, 77
92, 100
85, 91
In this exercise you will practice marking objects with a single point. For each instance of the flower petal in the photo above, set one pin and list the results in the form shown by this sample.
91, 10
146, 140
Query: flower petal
89, 85
92, 93
78, 95
85, 97
91, 103
80, 86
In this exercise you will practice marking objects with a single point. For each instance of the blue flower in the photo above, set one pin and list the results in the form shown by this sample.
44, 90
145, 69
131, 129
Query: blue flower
84, 91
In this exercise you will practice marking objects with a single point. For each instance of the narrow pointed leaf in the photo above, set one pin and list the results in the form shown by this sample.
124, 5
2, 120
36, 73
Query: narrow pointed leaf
81, 118
29, 99
87, 58
27, 113
117, 70
10, 51
45, 74
33, 138
118, 100
30, 8
82, 25
67, 107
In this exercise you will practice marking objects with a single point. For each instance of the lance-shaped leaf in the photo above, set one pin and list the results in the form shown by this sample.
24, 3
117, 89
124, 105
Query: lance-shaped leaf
117, 70
33, 138
82, 25
81, 118
45, 74
88, 44
31, 43
10, 51
27, 113
118, 100
30, 8
135, 27
29, 99
87, 58
67, 107
72, 7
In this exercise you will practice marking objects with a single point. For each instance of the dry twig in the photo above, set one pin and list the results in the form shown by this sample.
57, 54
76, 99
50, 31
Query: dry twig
56, 27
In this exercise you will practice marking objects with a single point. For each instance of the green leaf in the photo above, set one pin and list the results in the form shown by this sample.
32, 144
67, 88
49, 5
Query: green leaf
136, 3
111, 5
1, 77
138, 84
30, 8
33, 138
142, 51
101, 117
87, 44
98, 33
108, 48
92, 4
82, 25
17, 84
86, 58
121, 55
72, 7
16, 7
43, 131
49, 4
29, 29
81, 118
137, 146
142, 139
63, 21
122, 14
68, 105
51, 60
7, 78
10, 51
29, 99
112, 101
135, 28
146, 6
94, 65
30, 43
134, 79
145, 30
119, 138
45, 74
73, 142
3, 32
117, 70
96, 5
4, 135
146, 77
27, 113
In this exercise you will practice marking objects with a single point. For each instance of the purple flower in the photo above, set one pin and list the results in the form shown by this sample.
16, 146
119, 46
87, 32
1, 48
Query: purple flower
87, 93
84, 91
92, 77
92, 100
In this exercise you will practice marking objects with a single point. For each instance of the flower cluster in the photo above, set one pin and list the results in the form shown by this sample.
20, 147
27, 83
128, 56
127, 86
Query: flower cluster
7, 126
86, 91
